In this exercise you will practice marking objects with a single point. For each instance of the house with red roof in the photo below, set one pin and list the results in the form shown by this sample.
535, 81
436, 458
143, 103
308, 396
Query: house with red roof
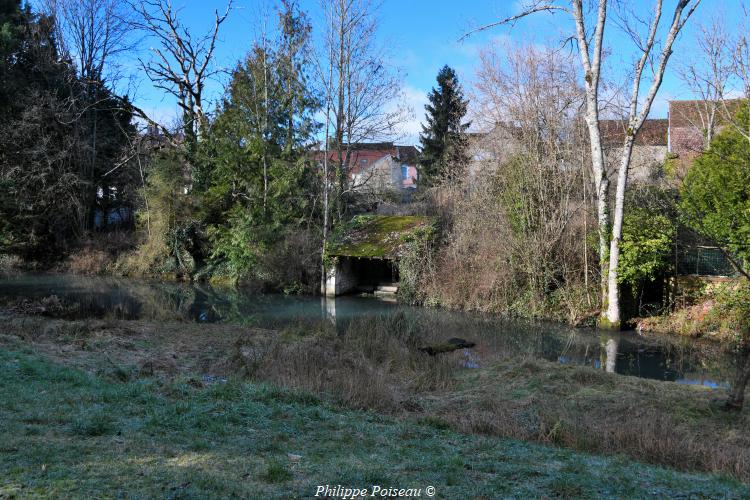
689, 124
379, 167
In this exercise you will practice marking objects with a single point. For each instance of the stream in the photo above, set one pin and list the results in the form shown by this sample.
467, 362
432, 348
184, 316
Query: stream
683, 361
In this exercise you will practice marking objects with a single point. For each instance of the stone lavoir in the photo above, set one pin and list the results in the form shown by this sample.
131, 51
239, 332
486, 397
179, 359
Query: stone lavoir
363, 255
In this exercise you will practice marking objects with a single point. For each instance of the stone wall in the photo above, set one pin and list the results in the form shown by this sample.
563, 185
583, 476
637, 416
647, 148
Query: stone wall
341, 278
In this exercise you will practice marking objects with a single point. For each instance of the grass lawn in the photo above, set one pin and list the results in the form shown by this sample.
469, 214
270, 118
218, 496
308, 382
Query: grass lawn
71, 433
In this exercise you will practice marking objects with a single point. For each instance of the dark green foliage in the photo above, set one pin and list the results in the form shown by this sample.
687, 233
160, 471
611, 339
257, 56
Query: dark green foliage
58, 136
11, 22
36, 171
257, 193
648, 236
236, 201
443, 138
716, 193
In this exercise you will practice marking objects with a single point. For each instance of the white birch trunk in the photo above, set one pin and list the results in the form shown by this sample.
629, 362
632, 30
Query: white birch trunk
592, 67
613, 295
611, 311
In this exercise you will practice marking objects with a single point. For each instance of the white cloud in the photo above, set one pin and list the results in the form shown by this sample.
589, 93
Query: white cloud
414, 101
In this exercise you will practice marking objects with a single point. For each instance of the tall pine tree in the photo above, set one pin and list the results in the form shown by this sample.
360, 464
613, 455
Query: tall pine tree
443, 138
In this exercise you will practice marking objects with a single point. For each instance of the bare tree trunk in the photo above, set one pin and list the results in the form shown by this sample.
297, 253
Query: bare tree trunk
265, 124
636, 118
613, 295
592, 71
327, 80
736, 398
609, 248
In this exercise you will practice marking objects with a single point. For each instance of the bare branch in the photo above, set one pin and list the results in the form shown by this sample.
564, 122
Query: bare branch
538, 6
181, 63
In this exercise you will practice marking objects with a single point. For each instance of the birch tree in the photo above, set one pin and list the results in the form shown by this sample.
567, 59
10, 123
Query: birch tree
652, 51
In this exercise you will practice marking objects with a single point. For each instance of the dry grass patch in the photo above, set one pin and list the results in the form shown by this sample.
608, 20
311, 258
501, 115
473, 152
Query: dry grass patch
373, 365
661, 422
376, 365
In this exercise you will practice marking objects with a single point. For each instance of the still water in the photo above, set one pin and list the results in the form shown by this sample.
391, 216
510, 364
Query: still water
626, 353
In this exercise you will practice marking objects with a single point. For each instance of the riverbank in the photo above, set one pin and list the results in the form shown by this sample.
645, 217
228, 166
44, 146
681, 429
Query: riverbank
377, 366
72, 434
714, 309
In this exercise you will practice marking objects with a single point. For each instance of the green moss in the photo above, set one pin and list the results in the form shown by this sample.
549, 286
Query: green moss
378, 236
605, 324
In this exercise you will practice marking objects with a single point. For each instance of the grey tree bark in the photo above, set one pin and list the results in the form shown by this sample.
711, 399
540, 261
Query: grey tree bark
636, 117
591, 58
182, 62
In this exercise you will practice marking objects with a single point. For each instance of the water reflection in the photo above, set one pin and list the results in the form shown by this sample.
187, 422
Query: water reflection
610, 355
627, 353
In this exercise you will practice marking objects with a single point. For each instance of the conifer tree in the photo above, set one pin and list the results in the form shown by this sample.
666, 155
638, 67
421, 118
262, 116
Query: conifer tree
443, 139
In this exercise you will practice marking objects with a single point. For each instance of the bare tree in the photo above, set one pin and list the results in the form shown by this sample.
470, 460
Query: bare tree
360, 91
94, 33
649, 53
741, 73
537, 147
707, 75
364, 88
719, 74
181, 63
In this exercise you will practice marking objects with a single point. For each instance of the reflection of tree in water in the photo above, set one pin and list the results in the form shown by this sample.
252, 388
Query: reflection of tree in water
610, 355
495, 338
80, 297
193, 302
661, 358
204, 308
162, 301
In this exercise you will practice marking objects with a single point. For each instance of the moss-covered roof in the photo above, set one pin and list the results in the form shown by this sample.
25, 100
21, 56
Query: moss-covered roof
379, 236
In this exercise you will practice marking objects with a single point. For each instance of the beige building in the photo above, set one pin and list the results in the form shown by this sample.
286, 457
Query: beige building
490, 150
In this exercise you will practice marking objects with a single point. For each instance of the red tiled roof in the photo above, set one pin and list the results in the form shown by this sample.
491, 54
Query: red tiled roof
687, 122
653, 132
361, 156
688, 113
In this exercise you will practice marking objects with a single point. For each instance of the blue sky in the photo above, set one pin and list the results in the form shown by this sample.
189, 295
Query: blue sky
420, 36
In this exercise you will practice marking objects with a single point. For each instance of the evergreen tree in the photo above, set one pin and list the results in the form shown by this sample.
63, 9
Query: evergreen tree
443, 139
48, 183
38, 187
11, 23
256, 189
715, 195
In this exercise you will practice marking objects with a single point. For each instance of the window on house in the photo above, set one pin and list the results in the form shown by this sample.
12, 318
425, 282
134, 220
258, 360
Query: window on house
363, 162
404, 171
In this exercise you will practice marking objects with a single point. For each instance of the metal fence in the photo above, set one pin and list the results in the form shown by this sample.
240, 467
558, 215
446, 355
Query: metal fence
703, 261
